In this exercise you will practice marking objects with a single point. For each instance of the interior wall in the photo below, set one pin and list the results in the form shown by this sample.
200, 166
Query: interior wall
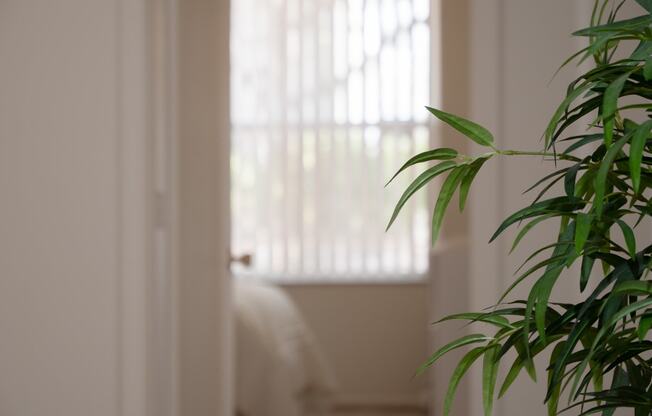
515, 48
375, 337
448, 290
74, 216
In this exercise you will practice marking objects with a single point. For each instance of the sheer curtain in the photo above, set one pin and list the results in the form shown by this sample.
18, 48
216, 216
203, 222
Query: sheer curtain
327, 101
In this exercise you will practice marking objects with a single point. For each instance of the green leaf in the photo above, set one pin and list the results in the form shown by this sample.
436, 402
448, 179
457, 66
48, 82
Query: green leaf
646, 4
558, 204
436, 154
526, 229
547, 177
620, 379
489, 376
472, 130
601, 177
609, 105
473, 170
569, 346
445, 195
636, 152
418, 183
628, 24
552, 125
553, 401
642, 51
633, 287
644, 326
569, 179
461, 369
513, 372
607, 327
494, 319
584, 140
585, 272
628, 234
582, 230
647, 69
554, 259
543, 288
460, 342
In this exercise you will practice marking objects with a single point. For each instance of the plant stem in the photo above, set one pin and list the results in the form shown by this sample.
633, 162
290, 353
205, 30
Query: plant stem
561, 156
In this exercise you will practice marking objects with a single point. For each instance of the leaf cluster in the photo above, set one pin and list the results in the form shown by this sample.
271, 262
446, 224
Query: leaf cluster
600, 356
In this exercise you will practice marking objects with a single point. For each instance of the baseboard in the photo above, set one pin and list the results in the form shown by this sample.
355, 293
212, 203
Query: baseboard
403, 405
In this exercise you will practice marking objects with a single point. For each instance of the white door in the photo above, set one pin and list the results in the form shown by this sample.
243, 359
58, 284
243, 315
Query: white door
204, 325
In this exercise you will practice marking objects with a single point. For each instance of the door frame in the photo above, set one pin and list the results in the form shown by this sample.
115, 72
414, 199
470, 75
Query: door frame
199, 173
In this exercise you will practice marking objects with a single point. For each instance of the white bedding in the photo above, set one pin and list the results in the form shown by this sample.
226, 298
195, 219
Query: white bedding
280, 370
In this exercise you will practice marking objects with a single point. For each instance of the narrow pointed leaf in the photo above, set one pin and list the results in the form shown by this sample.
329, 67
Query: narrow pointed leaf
554, 121
436, 154
582, 230
583, 142
571, 342
513, 372
547, 281
606, 327
570, 178
644, 326
472, 130
585, 272
636, 152
497, 320
628, 235
489, 375
627, 24
609, 105
647, 69
603, 172
553, 401
526, 229
445, 195
418, 183
563, 204
460, 342
461, 369
646, 4
633, 287
467, 180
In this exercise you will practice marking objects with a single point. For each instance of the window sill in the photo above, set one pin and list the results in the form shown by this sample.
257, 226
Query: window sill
361, 280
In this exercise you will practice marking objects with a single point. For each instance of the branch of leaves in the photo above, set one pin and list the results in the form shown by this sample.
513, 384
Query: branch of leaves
604, 351
602, 87
461, 169
509, 335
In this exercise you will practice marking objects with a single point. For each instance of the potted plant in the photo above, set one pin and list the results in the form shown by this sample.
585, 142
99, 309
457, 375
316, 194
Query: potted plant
599, 353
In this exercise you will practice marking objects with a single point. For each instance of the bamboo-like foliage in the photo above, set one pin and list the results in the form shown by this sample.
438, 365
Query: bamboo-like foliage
599, 354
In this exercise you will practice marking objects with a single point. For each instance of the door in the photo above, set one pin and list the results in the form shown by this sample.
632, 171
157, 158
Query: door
202, 159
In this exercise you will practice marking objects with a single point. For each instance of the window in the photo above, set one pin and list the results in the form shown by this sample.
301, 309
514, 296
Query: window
327, 102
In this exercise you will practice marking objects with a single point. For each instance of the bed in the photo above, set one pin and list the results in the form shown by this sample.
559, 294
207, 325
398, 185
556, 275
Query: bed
280, 370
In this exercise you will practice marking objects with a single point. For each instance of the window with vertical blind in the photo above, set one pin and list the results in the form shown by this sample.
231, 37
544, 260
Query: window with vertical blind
327, 102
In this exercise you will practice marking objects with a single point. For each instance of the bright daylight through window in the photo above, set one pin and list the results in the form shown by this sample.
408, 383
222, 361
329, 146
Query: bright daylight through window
327, 101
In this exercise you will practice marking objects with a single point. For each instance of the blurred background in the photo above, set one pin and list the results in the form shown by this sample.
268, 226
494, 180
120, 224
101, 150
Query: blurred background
193, 199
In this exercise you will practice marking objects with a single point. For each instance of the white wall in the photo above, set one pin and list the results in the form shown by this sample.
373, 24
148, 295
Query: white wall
73, 246
374, 336
514, 48
527, 40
